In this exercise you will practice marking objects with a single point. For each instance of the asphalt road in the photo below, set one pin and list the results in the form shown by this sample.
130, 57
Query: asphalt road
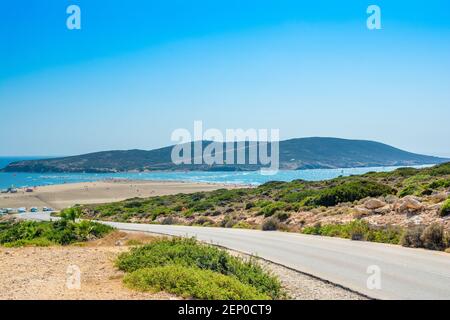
393, 272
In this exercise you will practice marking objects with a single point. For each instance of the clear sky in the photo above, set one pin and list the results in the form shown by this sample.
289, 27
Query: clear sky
138, 69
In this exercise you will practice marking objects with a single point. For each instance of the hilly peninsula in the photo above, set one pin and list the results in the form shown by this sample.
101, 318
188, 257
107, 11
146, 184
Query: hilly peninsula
294, 154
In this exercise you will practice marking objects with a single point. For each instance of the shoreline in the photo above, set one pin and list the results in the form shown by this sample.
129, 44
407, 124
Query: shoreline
21, 180
61, 196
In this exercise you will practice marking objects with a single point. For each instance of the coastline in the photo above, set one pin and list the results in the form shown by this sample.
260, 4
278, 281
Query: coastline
61, 196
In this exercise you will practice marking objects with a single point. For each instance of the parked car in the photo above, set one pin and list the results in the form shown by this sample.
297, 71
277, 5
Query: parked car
45, 209
34, 209
4, 191
22, 210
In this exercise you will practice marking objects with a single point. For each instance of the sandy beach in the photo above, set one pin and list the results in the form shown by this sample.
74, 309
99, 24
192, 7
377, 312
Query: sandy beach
66, 195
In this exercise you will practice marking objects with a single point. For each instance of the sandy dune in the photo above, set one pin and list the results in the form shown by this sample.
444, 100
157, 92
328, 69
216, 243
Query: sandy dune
65, 195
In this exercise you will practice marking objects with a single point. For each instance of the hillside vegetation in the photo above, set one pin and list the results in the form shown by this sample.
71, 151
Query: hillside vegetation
394, 200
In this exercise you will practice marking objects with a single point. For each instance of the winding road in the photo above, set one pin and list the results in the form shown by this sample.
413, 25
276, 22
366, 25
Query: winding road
376, 270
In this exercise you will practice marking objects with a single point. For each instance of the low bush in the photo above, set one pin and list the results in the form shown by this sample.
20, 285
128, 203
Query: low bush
356, 230
410, 190
272, 208
441, 183
19, 233
191, 282
204, 221
348, 192
270, 224
433, 237
242, 225
282, 216
411, 237
189, 253
169, 220
445, 209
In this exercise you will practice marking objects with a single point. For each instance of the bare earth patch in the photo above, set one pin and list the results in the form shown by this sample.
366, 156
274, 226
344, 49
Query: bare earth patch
40, 273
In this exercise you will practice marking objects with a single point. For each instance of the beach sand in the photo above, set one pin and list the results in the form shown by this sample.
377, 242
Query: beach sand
66, 195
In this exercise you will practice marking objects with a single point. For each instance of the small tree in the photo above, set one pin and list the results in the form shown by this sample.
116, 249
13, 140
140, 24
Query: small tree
71, 214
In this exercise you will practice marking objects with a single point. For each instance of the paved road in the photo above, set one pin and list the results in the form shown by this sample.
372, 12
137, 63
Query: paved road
404, 273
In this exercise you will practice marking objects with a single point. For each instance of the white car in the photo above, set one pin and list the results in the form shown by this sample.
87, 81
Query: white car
22, 210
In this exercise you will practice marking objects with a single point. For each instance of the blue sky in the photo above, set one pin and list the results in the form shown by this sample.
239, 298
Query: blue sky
137, 70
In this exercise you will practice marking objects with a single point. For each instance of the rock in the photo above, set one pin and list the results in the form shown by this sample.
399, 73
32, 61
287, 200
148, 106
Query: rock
416, 220
439, 197
408, 203
360, 212
382, 210
391, 199
373, 204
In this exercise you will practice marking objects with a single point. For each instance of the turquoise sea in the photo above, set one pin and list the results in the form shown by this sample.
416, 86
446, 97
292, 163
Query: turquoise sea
246, 178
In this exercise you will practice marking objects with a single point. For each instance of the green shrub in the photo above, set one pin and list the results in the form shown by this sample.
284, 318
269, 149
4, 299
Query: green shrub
46, 233
411, 237
37, 242
282, 215
314, 230
298, 196
441, 183
71, 213
439, 170
169, 220
190, 253
228, 222
433, 237
349, 192
356, 230
272, 208
191, 282
445, 209
204, 221
249, 205
410, 190
242, 225
270, 224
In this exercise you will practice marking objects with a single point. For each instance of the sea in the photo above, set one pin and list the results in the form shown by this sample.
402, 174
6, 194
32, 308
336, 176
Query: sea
23, 179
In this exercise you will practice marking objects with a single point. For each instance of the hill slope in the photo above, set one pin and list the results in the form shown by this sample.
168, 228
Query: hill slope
295, 154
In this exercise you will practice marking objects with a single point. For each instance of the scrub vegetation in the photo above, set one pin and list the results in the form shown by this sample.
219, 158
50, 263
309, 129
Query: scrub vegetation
194, 270
15, 233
